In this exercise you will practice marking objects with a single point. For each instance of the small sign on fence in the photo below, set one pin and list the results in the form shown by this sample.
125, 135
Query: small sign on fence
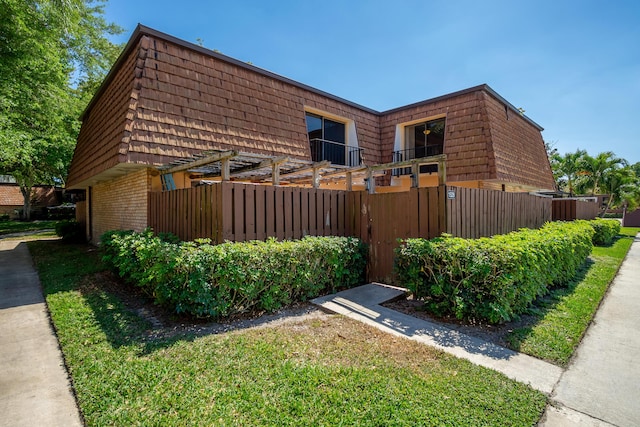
451, 194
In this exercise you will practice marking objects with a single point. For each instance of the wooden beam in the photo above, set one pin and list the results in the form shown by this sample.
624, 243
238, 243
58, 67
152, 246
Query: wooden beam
371, 182
225, 167
415, 175
442, 172
305, 168
201, 162
266, 163
420, 161
275, 173
349, 181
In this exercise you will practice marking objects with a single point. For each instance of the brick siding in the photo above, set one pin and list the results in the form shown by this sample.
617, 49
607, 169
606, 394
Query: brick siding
120, 204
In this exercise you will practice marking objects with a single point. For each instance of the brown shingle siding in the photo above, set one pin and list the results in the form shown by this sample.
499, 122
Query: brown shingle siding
519, 151
169, 99
102, 138
227, 107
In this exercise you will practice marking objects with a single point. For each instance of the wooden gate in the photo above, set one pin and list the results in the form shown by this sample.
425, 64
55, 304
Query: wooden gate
381, 219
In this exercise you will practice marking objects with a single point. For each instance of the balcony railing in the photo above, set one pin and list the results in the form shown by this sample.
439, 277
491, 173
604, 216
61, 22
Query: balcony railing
336, 153
416, 153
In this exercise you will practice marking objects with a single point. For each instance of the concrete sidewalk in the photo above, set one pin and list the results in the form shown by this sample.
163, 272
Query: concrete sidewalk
34, 384
601, 387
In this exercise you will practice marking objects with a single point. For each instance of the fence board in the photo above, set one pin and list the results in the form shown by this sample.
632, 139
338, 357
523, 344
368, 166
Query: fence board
270, 203
250, 211
478, 212
571, 209
297, 213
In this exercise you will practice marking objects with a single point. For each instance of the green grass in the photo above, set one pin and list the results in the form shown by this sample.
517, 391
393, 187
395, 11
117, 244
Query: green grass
8, 227
327, 370
564, 315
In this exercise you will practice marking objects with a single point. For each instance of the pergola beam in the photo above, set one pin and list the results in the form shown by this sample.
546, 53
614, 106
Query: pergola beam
201, 162
266, 163
432, 160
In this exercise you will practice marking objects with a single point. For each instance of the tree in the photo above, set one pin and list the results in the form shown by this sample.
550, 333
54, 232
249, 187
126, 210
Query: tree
596, 170
622, 185
53, 54
567, 168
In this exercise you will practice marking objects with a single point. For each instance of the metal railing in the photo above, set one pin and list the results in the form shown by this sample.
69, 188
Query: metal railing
416, 153
336, 153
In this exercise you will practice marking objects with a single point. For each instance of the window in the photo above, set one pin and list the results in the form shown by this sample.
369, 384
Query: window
424, 139
327, 138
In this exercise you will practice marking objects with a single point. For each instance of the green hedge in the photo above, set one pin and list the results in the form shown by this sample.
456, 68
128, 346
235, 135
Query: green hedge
220, 280
496, 278
605, 231
71, 231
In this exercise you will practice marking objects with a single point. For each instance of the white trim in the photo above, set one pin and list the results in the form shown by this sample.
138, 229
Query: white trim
350, 125
399, 142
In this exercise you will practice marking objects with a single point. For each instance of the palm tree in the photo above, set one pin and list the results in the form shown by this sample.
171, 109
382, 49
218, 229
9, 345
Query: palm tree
567, 168
596, 169
623, 187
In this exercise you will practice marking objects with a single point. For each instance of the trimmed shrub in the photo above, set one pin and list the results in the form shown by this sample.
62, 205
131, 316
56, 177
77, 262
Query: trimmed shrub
493, 279
71, 231
605, 231
220, 280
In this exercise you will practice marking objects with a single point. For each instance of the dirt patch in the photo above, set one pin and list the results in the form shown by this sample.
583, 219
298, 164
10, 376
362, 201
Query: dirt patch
166, 323
496, 334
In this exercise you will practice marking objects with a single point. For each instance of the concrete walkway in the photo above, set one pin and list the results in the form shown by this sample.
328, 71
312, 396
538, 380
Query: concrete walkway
601, 387
34, 384
602, 383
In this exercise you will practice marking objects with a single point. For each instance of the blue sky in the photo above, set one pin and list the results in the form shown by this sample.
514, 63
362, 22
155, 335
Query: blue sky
574, 66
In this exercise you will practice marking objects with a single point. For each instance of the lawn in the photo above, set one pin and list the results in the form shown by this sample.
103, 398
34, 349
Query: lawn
563, 316
8, 227
318, 370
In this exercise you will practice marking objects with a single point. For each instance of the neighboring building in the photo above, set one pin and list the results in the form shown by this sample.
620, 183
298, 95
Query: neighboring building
12, 202
166, 99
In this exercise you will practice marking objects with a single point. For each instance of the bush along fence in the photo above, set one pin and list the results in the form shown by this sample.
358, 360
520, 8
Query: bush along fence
207, 280
605, 231
495, 279
239, 212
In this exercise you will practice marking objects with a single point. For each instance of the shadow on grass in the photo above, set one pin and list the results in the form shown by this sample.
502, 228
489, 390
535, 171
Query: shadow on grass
126, 316
543, 305
549, 302
70, 268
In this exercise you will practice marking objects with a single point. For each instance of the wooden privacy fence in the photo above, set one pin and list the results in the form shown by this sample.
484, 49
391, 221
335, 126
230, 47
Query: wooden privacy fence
474, 213
571, 209
239, 212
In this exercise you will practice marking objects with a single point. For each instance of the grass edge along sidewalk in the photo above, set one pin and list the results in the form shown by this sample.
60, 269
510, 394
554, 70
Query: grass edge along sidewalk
563, 315
324, 371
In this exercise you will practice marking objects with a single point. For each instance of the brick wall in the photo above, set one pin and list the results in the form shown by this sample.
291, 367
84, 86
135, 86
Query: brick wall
120, 204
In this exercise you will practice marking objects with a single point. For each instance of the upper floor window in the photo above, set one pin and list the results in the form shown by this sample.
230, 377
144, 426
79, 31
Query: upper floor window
319, 127
328, 140
423, 139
